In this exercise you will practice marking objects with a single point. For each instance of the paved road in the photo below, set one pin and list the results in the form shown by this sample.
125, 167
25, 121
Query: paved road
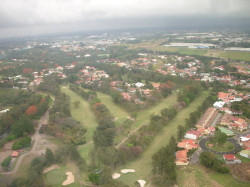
35, 138
237, 147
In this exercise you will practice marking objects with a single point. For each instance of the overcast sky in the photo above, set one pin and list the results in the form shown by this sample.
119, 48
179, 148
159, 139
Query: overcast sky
30, 17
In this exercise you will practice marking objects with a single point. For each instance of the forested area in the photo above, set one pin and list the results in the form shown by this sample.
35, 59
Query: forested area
61, 124
24, 107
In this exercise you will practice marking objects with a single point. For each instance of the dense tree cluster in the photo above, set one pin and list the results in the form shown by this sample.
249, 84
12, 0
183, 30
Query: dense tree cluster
163, 163
22, 143
209, 160
242, 106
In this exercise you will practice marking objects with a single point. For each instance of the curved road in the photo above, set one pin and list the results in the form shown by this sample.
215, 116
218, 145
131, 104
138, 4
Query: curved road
35, 138
237, 147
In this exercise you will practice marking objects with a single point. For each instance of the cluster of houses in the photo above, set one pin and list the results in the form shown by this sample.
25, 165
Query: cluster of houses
90, 74
206, 126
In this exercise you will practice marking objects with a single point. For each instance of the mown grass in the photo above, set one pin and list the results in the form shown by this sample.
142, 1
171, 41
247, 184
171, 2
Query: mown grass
115, 109
228, 180
142, 165
192, 175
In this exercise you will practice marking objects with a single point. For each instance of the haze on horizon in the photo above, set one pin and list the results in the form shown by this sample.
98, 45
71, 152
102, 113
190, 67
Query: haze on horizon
35, 17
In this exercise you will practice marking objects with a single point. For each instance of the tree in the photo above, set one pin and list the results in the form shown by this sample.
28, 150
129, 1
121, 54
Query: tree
31, 111
76, 104
220, 137
6, 163
22, 126
49, 156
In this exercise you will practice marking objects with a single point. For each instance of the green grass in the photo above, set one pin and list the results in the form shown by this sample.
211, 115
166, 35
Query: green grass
56, 177
187, 51
142, 165
243, 159
228, 146
85, 149
83, 113
236, 55
227, 180
115, 109
128, 178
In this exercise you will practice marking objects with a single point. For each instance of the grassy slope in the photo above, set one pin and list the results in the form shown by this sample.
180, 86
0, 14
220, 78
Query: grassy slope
227, 180
143, 164
193, 175
143, 116
114, 108
84, 115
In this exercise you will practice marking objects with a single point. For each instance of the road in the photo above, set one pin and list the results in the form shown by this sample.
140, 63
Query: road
237, 147
36, 137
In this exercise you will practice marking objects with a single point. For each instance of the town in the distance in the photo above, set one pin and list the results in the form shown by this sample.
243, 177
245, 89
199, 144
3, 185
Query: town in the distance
126, 108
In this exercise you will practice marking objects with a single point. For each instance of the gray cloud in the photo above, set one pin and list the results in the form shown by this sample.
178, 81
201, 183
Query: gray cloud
17, 14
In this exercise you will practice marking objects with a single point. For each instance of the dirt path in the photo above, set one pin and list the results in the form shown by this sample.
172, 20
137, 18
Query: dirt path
35, 139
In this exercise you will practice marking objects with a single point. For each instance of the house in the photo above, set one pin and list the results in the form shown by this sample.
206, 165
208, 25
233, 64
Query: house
226, 118
188, 144
15, 154
218, 104
181, 157
231, 159
156, 86
194, 135
222, 96
126, 96
139, 84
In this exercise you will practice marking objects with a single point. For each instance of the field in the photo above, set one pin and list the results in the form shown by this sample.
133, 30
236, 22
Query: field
245, 56
192, 176
143, 164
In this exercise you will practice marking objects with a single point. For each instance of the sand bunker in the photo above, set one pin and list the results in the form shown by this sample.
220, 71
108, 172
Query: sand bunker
116, 175
64, 87
46, 170
70, 179
142, 182
127, 170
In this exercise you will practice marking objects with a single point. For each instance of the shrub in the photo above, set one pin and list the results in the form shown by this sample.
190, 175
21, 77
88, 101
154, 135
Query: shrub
22, 143
6, 163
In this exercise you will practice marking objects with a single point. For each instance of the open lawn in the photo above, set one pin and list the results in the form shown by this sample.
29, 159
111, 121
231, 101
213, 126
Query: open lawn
227, 180
192, 176
114, 108
142, 165
56, 177
83, 113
